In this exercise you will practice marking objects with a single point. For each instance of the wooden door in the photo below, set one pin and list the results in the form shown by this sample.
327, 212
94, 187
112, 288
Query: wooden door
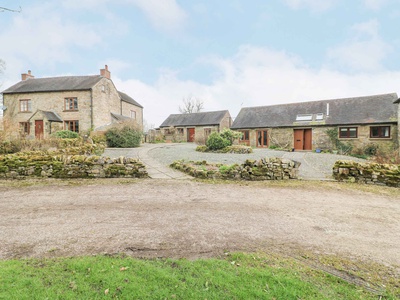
190, 135
303, 139
262, 138
39, 129
307, 139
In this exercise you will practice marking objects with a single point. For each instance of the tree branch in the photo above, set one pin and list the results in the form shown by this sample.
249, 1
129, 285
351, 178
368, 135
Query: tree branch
3, 9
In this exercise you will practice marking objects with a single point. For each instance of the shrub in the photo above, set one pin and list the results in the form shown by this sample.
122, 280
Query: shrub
231, 135
216, 142
66, 134
201, 148
126, 136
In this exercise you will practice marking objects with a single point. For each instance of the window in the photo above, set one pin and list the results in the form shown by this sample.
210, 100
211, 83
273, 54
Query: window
319, 116
180, 131
245, 135
207, 132
71, 125
71, 104
24, 127
348, 132
133, 114
380, 132
304, 117
25, 105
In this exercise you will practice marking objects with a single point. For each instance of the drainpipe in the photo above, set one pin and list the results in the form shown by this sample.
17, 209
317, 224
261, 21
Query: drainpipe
91, 109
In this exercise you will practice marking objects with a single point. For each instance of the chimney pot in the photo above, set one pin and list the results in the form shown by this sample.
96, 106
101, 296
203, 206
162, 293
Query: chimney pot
105, 73
25, 76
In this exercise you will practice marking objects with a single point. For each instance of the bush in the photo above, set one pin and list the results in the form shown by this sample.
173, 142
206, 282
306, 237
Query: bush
230, 135
201, 148
126, 136
66, 134
216, 142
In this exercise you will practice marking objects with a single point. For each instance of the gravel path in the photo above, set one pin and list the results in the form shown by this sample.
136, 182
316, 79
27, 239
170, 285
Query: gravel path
314, 166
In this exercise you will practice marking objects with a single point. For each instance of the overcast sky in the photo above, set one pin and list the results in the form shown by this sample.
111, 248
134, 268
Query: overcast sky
228, 53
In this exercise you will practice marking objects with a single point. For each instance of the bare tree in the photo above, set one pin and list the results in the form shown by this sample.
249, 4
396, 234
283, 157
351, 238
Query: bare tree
3, 9
190, 105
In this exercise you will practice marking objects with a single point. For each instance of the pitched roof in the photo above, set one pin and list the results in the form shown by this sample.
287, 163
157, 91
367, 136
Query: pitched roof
195, 119
397, 101
120, 117
126, 98
52, 116
358, 110
54, 84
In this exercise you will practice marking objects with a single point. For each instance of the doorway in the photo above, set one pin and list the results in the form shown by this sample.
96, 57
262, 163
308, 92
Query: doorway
39, 129
190, 135
262, 138
303, 139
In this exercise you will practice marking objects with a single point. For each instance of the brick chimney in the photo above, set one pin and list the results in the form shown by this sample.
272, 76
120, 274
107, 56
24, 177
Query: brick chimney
25, 76
105, 73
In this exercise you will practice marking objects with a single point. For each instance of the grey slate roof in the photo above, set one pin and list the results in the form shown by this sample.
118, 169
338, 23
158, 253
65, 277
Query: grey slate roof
120, 117
126, 98
54, 84
359, 110
195, 119
52, 116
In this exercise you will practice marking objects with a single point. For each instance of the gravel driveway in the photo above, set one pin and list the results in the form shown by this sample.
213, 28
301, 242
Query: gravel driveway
314, 166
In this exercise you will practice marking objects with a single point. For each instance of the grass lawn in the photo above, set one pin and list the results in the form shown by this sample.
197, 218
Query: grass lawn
237, 276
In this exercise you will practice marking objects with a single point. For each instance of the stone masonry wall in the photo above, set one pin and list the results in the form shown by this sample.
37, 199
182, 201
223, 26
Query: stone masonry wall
67, 166
263, 169
369, 173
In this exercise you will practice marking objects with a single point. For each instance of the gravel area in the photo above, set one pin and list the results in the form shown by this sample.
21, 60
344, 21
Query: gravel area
314, 166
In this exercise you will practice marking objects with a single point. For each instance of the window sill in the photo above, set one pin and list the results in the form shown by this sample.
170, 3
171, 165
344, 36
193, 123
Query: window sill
347, 138
380, 138
70, 110
26, 111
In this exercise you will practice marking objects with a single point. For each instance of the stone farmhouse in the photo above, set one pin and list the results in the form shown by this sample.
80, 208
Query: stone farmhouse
360, 121
41, 106
194, 126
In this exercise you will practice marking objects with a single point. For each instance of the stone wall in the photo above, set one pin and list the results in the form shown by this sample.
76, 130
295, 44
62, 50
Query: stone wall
263, 169
15, 166
369, 173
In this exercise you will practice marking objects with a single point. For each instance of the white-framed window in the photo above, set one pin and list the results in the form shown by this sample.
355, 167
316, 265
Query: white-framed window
319, 116
25, 105
133, 114
304, 117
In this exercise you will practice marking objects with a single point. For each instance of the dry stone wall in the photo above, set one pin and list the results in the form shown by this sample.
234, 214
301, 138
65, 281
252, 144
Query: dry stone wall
14, 166
369, 173
263, 169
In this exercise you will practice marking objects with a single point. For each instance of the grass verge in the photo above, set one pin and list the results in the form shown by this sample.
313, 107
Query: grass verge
238, 276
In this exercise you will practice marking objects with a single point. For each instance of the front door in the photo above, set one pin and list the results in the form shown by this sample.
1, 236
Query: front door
190, 135
262, 138
303, 139
39, 129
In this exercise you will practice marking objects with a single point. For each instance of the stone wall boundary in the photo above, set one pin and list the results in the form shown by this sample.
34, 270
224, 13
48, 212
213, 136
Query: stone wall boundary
69, 166
367, 173
269, 168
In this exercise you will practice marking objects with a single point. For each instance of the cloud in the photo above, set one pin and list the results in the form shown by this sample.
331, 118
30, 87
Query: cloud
164, 15
313, 5
255, 76
42, 36
365, 51
375, 4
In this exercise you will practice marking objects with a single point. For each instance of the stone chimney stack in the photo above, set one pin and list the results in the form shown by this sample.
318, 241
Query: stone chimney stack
25, 76
105, 73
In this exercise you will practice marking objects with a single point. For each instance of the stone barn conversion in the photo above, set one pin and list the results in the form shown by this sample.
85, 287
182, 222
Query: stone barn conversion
41, 106
359, 121
194, 126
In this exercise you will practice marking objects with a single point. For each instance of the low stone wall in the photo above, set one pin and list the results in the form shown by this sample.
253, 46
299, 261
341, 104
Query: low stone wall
369, 173
263, 169
14, 166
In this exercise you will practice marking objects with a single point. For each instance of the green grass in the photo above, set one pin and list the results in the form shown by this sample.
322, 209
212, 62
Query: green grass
238, 276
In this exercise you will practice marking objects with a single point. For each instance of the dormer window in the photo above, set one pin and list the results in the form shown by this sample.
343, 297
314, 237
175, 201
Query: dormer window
307, 117
319, 117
